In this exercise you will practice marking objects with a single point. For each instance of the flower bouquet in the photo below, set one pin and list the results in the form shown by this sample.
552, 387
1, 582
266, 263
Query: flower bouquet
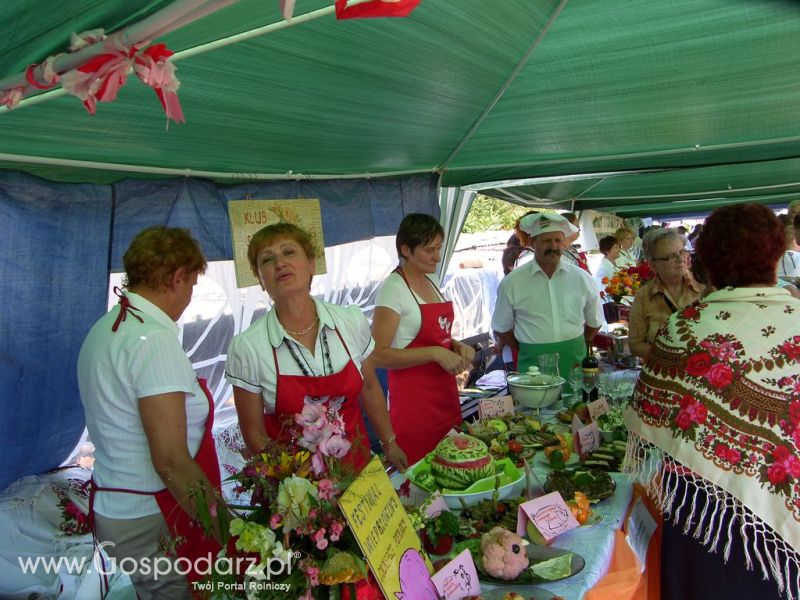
623, 282
292, 535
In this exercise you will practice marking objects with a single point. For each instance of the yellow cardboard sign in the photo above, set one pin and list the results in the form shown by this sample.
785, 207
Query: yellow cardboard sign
384, 532
248, 216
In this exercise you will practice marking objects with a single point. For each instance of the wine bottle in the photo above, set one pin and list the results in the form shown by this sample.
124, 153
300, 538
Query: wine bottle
590, 368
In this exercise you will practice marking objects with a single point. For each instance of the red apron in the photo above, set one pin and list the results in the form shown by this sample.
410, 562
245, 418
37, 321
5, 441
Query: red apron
181, 525
292, 390
423, 400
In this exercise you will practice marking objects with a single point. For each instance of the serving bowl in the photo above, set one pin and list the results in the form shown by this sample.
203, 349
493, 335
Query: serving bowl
512, 482
532, 395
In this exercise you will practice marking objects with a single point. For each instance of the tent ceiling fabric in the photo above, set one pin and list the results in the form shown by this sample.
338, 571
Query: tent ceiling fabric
706, 89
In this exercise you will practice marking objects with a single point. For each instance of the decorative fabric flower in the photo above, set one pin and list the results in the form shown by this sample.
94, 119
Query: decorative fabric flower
698, 364
720, 375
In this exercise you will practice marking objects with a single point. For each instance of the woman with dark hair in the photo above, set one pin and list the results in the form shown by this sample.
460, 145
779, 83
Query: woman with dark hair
610, 249
411, 328
304, 351
670, 290
715, 421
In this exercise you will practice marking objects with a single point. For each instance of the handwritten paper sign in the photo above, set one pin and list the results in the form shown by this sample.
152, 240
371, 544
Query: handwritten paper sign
641, 527
248, 216
458, 579
597, 408
589, 438
383, 530
436, 506
548, 513
490, 408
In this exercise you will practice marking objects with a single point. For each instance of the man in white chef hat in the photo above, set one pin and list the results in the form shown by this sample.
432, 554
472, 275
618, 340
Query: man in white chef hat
547, 305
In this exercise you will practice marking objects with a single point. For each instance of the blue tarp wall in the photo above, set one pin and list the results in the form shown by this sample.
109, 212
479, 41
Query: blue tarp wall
58, 243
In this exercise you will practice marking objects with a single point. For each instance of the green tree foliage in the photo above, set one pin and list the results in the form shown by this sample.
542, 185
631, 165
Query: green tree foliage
490, 214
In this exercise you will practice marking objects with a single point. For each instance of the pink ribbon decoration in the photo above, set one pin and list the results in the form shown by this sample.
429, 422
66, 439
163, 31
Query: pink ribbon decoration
48, 73
154, 67
99, 79
286, 8
11, 96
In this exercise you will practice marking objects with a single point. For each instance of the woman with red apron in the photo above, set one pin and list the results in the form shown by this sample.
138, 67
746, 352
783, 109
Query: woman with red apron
423, 394
270, 388
293, 391
138, 389
191, 541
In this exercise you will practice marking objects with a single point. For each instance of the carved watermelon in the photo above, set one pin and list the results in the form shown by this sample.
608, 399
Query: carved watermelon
460, 460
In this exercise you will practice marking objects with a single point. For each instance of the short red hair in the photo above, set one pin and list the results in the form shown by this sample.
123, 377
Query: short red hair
740, 245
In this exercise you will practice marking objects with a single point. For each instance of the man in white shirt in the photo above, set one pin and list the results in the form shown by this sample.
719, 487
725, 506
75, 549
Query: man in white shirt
548, 305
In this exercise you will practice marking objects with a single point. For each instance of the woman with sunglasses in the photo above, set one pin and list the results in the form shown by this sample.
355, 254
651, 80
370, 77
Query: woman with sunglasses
672, 289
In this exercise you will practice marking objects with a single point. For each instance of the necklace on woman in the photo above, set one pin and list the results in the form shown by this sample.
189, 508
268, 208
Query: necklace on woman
302, 331
327, 365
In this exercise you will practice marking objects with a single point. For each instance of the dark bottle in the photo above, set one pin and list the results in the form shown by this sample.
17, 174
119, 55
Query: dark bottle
590, 368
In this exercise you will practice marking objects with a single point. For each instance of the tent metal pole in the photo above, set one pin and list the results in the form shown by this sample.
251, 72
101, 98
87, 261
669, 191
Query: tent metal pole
238, 177
652, 153
188, 52
259, 31
156, 24
704, 193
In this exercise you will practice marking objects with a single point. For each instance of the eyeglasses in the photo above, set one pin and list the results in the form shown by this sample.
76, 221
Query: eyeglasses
676, 257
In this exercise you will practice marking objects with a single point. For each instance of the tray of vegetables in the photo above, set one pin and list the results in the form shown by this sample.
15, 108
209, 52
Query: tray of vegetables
515, 437
595, 484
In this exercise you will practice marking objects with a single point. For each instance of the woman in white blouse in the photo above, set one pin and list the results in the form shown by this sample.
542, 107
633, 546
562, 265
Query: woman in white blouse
608, 266
304, 351
412, 327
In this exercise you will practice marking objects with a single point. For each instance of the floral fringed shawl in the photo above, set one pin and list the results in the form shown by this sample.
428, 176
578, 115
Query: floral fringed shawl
718, 405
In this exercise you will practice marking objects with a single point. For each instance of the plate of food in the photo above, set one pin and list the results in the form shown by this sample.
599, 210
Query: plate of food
504, 558
596, 484
464, 471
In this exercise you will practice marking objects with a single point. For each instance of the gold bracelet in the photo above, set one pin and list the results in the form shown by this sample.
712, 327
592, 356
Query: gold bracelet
391, 440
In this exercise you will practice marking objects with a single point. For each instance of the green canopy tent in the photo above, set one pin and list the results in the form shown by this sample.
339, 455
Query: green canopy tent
632, 107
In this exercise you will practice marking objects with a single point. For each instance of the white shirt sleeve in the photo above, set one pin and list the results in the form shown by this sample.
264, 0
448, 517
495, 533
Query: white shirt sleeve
391, 294
240, 368
592, 309
358, 330
503, 317
159, 366
395, 295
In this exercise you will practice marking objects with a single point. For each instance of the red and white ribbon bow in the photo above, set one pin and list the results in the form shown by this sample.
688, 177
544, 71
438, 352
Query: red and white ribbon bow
154, 67
100, 79
10, 97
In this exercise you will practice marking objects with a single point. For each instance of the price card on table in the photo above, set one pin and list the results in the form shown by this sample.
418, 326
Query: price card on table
597, 408
589, 438
585, 438
548, 513
490, 408
458, 579
641, 527
436, 505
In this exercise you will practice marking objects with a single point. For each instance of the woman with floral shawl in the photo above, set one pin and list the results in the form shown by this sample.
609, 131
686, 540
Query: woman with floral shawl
715, 421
